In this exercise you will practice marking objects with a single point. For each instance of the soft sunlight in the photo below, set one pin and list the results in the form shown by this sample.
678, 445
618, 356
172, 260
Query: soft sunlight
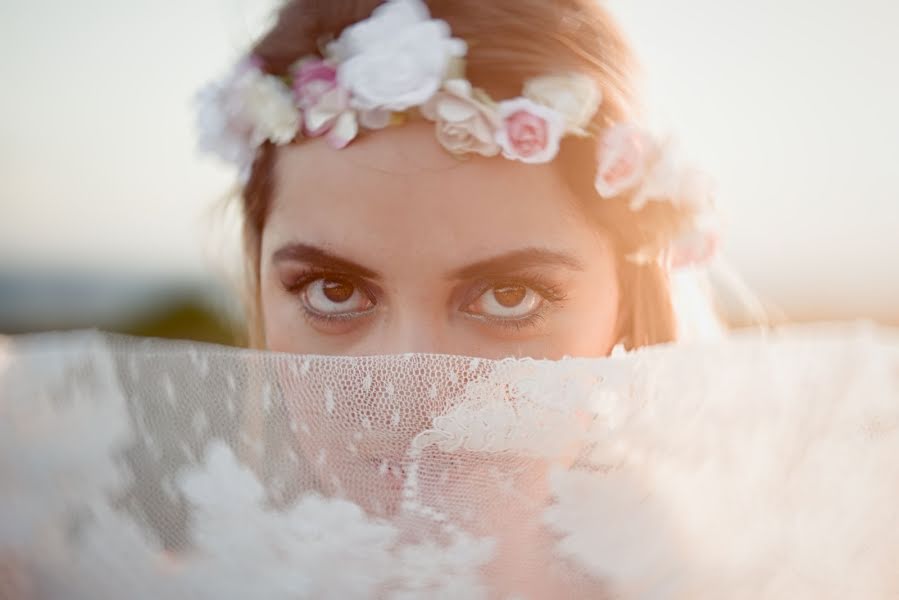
790, 105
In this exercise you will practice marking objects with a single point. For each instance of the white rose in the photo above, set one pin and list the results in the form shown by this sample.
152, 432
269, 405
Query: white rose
574, 95
396, 59
239, 113
386, 20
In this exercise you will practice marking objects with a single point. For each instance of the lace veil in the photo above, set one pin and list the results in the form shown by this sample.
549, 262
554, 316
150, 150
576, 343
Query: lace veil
747, 468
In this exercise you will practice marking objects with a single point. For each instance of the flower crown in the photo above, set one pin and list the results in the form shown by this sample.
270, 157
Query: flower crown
400, 63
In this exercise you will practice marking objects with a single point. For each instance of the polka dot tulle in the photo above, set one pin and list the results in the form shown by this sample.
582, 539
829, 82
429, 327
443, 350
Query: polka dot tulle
747, 468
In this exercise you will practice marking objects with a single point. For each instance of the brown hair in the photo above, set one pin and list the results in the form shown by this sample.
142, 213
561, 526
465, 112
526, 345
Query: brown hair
509, 42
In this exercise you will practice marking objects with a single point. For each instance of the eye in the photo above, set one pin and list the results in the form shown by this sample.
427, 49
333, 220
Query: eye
334, 297
506, 302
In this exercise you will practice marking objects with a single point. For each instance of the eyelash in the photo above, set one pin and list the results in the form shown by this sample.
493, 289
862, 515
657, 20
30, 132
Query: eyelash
551, 294
533, 319
303, 279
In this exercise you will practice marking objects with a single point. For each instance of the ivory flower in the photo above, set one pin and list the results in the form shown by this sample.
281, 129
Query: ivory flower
464, 124
243, 111
694, 248
622, 156
574, 95
397, 58
529, 132
669, 178
219, 130
269, 106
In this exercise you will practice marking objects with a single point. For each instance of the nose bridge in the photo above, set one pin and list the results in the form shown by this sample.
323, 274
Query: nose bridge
414, 329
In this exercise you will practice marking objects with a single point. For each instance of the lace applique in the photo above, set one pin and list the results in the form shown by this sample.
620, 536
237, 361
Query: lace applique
757, 468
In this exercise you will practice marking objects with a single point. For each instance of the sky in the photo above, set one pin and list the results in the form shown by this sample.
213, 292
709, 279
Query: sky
791, 105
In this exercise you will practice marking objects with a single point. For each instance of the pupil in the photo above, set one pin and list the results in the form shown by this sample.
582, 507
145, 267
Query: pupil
337, 291
509, 296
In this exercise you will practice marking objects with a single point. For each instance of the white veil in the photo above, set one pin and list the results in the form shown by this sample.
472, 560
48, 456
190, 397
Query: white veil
747, 468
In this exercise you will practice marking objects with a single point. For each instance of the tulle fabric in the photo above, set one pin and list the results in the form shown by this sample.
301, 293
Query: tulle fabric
754, 467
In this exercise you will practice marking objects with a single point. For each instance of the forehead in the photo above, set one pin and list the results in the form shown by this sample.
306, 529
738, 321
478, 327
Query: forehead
397, 190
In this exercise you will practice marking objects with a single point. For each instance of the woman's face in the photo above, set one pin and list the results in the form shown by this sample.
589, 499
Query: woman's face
392, 245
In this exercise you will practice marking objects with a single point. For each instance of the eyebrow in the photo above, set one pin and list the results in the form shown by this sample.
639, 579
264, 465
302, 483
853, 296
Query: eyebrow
503, 263
323, 259
517, 260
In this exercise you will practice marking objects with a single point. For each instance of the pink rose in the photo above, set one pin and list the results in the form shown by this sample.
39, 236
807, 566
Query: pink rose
622, 157
312, 79
325, 105
530, 132
693, 248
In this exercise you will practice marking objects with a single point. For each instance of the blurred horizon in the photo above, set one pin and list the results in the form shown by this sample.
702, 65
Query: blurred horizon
791, 105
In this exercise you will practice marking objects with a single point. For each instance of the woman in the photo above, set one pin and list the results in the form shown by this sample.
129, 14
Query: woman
460, 178
519, 209
456, 177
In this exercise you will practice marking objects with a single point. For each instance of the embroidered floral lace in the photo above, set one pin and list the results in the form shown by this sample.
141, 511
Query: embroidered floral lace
751, 468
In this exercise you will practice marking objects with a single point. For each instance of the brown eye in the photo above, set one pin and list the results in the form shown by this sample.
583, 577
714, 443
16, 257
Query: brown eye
335, 297
510, 296
336, 290
506, 302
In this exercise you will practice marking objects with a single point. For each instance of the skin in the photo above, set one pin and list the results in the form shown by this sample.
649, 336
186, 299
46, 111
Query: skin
392, 245
432, 255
